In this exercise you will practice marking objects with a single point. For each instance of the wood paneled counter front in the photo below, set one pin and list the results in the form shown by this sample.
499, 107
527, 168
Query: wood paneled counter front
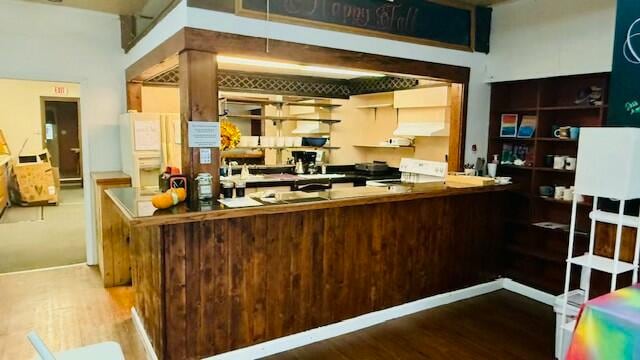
212, 280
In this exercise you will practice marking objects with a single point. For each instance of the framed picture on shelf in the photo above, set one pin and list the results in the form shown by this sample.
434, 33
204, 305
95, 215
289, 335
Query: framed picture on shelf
527, 126
508, 125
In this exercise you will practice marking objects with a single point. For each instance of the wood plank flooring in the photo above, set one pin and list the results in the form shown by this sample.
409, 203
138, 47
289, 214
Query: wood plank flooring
68, 308
500, 325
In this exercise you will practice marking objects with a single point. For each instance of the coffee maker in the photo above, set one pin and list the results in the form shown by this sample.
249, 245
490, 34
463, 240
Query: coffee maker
307, 158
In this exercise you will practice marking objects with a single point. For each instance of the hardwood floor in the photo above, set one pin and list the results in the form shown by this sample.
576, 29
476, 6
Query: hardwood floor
68, 308
500, 325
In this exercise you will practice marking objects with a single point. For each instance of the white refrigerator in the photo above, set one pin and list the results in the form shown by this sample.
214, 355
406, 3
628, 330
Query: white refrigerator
149, 142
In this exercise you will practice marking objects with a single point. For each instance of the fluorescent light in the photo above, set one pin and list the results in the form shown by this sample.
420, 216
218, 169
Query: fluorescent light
290, 66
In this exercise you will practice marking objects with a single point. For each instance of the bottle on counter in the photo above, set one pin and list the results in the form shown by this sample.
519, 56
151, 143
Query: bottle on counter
204, 183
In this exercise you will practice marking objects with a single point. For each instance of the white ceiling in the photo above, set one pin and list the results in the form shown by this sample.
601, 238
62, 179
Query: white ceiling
118, 7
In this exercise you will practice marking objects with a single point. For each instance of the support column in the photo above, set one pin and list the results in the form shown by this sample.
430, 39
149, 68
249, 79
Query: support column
198, 102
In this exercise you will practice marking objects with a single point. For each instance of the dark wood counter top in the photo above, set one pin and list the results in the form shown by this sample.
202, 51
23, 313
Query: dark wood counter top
135, 204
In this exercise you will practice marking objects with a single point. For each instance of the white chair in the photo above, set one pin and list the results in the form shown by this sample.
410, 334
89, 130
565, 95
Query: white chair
103, 351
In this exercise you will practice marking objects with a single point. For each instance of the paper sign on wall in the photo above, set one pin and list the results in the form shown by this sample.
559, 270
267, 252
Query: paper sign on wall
204, 134
48, 131
147, 135
205, 156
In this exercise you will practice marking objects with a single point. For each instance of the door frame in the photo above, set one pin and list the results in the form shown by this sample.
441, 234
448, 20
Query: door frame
43, 121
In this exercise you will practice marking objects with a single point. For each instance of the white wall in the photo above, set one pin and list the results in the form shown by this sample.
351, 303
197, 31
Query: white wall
545, 38
54, 43
479, 91
20, 113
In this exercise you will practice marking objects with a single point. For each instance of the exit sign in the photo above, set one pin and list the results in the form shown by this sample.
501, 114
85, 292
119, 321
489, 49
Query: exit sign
60, 90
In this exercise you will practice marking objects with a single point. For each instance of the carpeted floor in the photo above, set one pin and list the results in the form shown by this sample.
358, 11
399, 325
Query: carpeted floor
39, 237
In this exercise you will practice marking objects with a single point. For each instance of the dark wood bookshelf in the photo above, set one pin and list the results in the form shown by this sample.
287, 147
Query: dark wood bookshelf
535, 255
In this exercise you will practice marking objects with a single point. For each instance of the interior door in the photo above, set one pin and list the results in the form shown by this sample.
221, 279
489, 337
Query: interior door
62, 136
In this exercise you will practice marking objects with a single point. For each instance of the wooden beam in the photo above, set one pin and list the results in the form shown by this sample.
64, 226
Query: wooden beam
285, 51
457, 125
158, 60
134, 96
198, 102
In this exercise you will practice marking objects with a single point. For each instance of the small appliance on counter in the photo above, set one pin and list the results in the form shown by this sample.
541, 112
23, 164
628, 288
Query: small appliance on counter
373, 168
414, 171
307, 159
422, 171
399, 141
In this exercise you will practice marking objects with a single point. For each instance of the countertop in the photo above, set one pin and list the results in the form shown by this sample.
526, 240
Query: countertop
135, 204
108, 177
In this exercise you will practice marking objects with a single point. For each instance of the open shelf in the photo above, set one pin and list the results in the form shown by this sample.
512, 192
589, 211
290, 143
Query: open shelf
384, 146
549, 169
374, 106
571, 107
557, 139
563, 202
280, 118
612, 218
288, 147
552, 102
601, 263
274, 102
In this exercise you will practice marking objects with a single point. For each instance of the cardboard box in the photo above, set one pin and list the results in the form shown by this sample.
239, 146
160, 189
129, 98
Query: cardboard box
35, 181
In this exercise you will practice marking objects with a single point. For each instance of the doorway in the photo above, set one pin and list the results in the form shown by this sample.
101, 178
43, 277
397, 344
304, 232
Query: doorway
61, 136
37, 116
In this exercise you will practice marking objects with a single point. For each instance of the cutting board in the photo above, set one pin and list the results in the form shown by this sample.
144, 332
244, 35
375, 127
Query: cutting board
471, 180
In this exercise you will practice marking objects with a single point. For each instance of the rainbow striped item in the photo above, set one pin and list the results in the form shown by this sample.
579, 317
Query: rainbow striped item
608, 327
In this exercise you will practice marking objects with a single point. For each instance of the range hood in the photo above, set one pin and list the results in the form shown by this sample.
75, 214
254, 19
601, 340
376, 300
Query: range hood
431, 128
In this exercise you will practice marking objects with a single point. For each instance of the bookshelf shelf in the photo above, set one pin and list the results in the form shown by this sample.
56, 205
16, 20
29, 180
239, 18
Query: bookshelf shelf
552, 102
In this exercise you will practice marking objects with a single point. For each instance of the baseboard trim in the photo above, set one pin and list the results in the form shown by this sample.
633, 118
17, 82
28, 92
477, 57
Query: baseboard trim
44, 269
146, 341
528, 291
350, 325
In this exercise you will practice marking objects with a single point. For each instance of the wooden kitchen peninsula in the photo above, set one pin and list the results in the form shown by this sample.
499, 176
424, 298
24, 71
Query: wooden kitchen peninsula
212, 280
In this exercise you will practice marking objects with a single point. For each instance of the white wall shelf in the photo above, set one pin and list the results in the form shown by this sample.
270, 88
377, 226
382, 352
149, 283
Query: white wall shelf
375, 106
603, 264
612, 218
384, 146
287, 147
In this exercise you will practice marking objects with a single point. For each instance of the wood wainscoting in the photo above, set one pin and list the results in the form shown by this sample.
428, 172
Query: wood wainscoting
204, 288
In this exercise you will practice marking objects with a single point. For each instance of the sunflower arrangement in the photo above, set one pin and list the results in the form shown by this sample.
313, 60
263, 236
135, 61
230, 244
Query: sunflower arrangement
230, 135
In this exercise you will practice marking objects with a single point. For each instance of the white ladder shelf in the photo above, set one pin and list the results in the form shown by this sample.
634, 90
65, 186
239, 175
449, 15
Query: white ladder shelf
589, 261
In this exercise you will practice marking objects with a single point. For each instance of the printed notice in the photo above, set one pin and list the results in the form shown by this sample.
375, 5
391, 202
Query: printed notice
147, 135
205, 156
204, 134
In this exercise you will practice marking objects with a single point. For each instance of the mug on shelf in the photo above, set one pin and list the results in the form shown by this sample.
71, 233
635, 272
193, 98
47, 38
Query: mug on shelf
559, 192
570, 163
548, 160
567, 194
562, 132
574, 132
559, 162
546, 190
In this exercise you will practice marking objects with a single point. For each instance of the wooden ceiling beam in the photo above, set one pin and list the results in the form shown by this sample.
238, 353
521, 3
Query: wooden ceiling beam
163, 58
255, 47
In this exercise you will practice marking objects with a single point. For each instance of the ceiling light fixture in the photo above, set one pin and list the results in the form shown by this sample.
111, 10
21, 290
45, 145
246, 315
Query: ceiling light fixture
289, 66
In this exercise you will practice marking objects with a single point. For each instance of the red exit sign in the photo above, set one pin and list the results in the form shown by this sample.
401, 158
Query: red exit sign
60, 90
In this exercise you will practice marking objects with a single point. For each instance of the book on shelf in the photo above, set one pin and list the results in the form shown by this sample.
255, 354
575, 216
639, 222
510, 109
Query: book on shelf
508, 125
527, 126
